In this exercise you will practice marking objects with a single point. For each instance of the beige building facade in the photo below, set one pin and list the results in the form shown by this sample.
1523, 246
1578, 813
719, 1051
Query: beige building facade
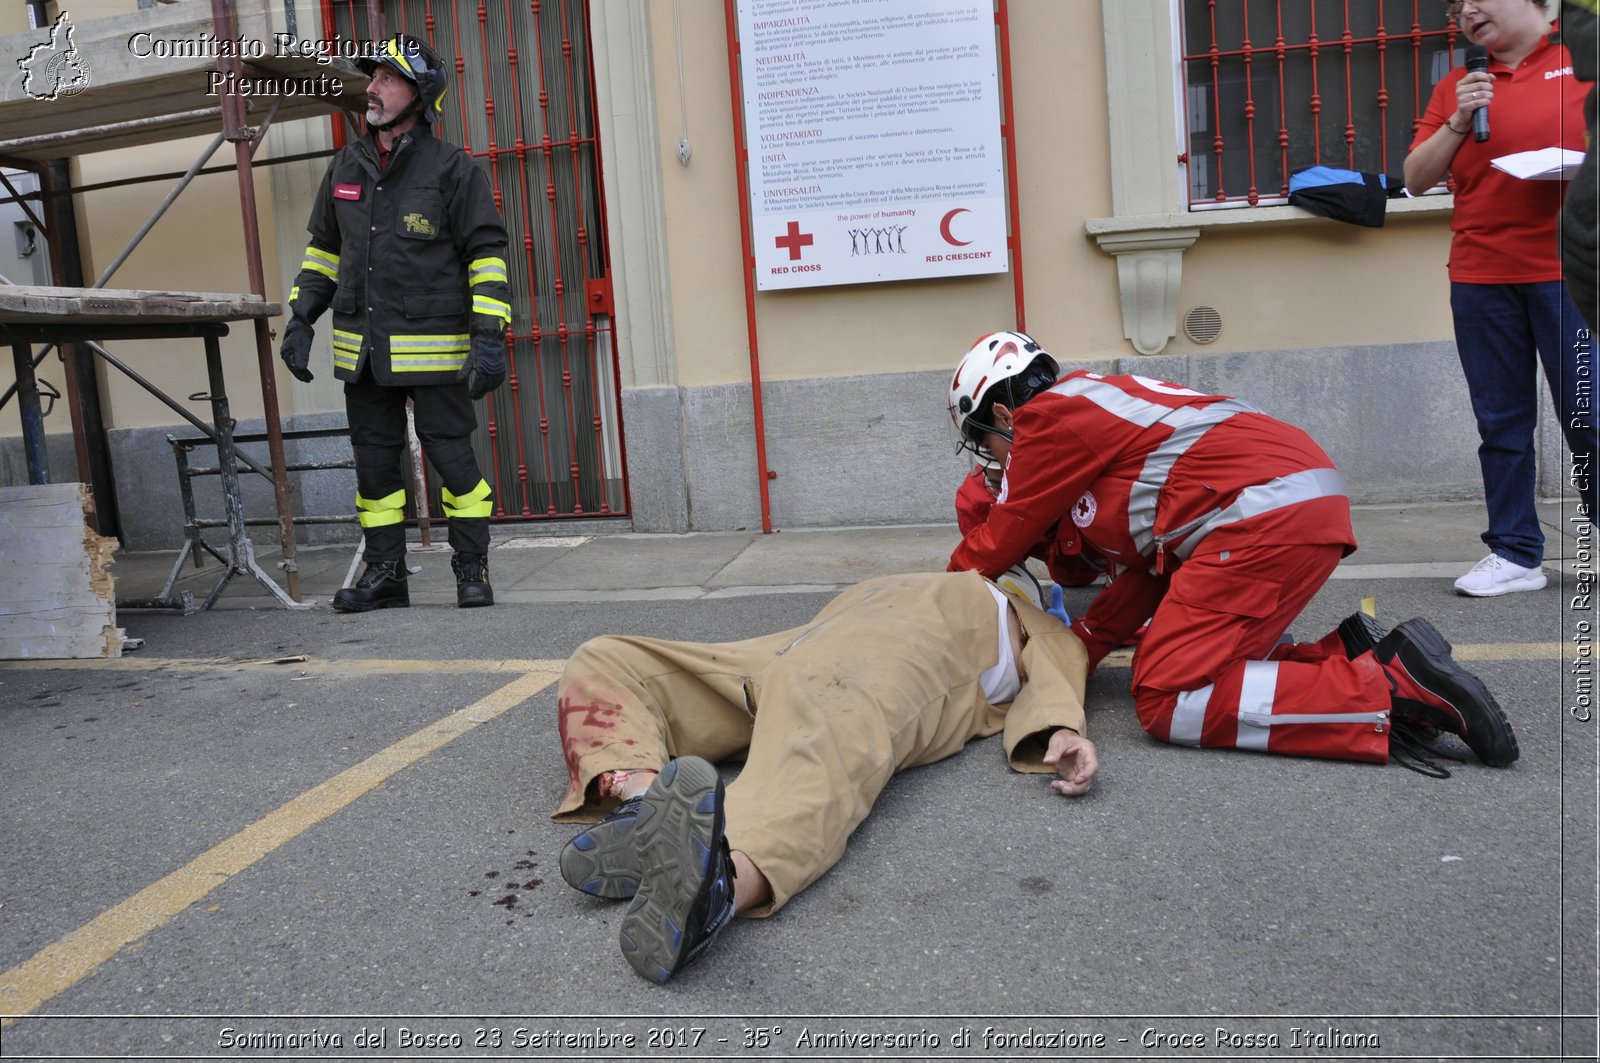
1344, 330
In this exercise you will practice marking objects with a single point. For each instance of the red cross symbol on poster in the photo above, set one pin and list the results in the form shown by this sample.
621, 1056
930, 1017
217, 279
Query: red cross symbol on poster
793, 240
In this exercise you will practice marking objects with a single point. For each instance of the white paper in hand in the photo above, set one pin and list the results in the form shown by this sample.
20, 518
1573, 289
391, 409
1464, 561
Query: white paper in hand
1546, 164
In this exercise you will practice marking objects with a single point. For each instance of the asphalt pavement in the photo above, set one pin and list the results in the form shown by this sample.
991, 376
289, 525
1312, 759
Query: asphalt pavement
275, 833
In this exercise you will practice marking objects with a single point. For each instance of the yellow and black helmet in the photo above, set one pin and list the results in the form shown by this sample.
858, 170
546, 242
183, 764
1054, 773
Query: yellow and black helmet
415, 62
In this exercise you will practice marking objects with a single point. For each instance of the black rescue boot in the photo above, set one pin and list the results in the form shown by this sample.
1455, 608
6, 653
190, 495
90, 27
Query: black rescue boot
1360, 634
472, 580
381, 586
1429, 689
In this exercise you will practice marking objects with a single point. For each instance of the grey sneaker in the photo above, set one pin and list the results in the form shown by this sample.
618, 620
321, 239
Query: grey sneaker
685, 894
603, 861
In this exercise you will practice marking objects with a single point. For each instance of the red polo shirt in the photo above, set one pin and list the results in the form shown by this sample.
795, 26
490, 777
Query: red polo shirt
1505, 228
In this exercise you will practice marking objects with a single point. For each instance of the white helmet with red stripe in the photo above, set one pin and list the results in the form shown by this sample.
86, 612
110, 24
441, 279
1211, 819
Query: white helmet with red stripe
1008, 367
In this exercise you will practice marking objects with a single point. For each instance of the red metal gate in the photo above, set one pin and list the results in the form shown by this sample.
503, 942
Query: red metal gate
522, 102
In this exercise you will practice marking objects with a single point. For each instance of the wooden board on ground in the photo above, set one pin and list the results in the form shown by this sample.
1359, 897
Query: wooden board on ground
57, 599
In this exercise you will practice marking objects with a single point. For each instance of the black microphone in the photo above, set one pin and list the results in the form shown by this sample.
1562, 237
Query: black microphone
1478, 59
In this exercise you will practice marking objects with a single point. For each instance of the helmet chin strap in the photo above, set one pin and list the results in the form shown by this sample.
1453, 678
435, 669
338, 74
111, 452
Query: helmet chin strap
983, 452
405, 112
968, 443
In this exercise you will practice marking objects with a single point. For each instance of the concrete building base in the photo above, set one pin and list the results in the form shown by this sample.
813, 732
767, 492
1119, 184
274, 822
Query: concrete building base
871, 450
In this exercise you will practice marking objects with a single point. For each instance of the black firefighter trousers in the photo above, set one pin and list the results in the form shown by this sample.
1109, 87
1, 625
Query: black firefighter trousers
445, 422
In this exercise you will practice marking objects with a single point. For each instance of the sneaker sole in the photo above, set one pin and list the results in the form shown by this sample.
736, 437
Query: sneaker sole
1522, 583
603, 861
1495, 745
676, 843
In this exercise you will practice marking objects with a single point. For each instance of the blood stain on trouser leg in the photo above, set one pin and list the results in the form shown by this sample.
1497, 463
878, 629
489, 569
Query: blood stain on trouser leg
586, 724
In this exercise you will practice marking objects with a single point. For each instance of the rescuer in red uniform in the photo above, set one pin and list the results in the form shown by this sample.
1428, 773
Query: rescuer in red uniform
1218, 524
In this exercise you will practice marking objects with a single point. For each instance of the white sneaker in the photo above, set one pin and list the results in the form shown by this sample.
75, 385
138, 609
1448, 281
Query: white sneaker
1495, 575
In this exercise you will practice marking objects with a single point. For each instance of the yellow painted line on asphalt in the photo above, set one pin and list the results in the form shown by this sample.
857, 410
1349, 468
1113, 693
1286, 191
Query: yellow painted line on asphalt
314, 666
61, 965
1520, 651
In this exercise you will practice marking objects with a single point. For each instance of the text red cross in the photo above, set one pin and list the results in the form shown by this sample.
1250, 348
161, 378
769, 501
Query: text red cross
794, 240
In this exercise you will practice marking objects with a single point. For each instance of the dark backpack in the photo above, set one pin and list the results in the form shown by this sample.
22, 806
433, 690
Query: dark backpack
1344, 195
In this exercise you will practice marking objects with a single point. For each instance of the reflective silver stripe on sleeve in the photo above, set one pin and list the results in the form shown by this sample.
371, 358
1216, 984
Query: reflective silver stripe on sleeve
1188, 424
1257, 691
1253, 501
1270, 720
1189, 716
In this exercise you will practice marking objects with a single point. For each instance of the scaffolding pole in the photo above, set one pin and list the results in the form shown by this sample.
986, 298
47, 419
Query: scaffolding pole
226, 19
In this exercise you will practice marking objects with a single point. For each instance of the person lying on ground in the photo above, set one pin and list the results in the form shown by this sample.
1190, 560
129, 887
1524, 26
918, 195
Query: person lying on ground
895, 672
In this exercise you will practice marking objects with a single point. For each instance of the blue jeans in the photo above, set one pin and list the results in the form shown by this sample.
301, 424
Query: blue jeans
1499, 328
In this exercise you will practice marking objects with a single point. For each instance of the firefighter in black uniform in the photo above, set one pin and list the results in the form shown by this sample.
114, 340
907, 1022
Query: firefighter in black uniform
409, 250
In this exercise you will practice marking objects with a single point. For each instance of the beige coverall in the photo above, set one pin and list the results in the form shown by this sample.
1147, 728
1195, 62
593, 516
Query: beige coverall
885, 678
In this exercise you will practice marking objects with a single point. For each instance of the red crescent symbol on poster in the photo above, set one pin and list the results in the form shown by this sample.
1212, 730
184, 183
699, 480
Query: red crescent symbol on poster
944, 227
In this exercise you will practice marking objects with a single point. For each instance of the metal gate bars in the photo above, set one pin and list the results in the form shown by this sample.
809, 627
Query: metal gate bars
522, 103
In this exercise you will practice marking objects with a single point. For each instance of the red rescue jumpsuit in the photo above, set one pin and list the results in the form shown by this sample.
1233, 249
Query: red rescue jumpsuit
1220, 523
1078, 567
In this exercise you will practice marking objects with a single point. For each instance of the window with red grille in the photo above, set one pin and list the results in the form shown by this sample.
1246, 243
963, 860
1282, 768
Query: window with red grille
1273, 86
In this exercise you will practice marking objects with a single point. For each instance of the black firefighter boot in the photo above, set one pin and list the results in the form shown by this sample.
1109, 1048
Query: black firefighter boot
472, 580
381, 586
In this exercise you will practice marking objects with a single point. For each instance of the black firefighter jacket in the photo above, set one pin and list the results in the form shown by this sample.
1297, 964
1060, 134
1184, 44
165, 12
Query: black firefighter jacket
412, 260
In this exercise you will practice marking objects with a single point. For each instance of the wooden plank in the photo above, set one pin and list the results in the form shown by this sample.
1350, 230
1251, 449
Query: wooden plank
35, 304
58, 599
130, 92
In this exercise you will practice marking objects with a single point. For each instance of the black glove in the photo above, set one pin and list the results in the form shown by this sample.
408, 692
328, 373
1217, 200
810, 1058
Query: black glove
295, 350
485, 368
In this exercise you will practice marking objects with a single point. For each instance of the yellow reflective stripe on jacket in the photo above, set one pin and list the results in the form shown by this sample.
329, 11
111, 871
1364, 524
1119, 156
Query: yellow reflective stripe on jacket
294, 293
426, 363
443, 342
475, 503
346, 349
492, 307
377, 513
323, 262
481, 270
428, 354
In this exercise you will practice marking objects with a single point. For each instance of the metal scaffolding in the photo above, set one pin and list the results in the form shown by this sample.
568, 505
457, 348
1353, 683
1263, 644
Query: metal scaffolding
44, 133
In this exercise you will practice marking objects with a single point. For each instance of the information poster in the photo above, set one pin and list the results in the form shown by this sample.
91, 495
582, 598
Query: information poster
873, 128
